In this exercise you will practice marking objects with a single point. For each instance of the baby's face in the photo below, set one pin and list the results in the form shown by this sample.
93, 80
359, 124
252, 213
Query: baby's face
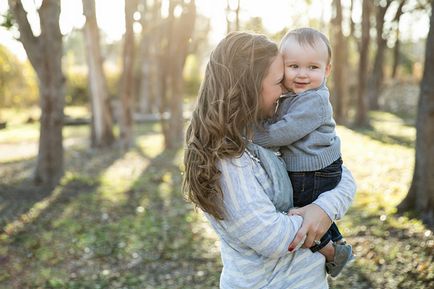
305, 67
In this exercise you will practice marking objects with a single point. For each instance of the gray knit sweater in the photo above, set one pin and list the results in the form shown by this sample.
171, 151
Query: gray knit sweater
304, 130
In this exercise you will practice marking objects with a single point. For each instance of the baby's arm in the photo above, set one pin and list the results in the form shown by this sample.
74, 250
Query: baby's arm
306, 114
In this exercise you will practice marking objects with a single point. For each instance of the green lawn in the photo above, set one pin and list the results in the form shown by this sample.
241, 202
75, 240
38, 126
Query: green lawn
119, 220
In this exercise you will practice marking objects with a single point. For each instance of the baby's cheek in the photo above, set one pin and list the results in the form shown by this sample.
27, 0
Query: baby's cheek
288, 83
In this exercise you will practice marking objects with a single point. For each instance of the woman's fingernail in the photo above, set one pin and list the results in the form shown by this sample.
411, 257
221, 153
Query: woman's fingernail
290, 249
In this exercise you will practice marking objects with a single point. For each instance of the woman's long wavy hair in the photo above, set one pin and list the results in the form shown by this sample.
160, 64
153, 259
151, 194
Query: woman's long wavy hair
228, 107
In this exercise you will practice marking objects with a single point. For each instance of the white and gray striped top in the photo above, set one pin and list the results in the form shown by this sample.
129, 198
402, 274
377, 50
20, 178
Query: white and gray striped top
255, 236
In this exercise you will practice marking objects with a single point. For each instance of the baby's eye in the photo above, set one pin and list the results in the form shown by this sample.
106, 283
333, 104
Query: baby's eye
293, 66
312, 67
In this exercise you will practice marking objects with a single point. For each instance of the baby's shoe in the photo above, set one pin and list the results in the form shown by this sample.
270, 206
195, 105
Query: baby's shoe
343, 255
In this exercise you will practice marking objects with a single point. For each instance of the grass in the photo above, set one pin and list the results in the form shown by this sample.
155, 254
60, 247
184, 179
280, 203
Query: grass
119, 220
393, 251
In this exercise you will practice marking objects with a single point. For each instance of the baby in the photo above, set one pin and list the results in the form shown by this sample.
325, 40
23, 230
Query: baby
304, 131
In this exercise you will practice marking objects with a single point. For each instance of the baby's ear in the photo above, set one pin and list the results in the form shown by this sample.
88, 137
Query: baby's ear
328, 70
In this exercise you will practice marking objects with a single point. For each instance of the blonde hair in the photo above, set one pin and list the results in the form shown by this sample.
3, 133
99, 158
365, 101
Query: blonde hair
228, 107
306, 36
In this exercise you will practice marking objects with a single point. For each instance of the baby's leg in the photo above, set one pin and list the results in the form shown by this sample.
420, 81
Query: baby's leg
343, 254
328, 251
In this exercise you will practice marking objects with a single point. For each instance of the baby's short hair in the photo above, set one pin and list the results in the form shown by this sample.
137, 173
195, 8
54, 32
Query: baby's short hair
306, 36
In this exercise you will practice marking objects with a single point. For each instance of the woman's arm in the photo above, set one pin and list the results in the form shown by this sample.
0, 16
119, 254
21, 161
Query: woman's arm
330, 206
337, 201
251, 218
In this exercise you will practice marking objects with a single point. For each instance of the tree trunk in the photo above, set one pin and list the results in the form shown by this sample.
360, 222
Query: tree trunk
156, 82
45, 54
164, 72
420, 198
126, 127
376, 77
352, 24
396, 48
232, 16
147, 78
340, 86
102, 122
361, 113
178, 34
143, 75
396, 52
228, 17
143, 70
237, 16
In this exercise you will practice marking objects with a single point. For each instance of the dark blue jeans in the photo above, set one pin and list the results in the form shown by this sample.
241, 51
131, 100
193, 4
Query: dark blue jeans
308, 186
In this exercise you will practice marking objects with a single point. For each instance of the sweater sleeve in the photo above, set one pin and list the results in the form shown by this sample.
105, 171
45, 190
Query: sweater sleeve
337, 201
251, 217
307, 112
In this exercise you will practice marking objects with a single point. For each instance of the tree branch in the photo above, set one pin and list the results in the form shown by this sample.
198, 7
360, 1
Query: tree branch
29, 41
399, 11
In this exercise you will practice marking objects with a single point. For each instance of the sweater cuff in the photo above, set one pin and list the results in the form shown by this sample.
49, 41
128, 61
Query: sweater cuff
261, 138
325, 206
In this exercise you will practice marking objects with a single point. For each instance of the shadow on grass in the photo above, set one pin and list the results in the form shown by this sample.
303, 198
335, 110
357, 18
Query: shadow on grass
82, 240
352, 277
19, 196
387, 128
28, 244
406, 119
384, 137
17, 192
390, 252
174, 253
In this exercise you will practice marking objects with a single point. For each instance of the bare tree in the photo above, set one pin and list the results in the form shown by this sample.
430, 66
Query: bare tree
340, 63
420, 197
45, 55
228, 17
176, 41
148, 82
150, 72
352, 24
232, 16
237, 16
376, 77
102, 123
362, 111
142, 73
126, 126
410, 7
396, 47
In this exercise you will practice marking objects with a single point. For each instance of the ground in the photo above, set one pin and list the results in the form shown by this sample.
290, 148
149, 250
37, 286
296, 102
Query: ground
119, 220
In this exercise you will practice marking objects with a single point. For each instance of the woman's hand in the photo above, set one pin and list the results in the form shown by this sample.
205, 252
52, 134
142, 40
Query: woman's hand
315, 223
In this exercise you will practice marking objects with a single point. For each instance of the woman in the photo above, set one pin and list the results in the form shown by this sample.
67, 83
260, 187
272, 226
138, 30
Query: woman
243, 188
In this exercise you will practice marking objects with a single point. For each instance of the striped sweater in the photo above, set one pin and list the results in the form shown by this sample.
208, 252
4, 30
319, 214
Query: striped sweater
255, 236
